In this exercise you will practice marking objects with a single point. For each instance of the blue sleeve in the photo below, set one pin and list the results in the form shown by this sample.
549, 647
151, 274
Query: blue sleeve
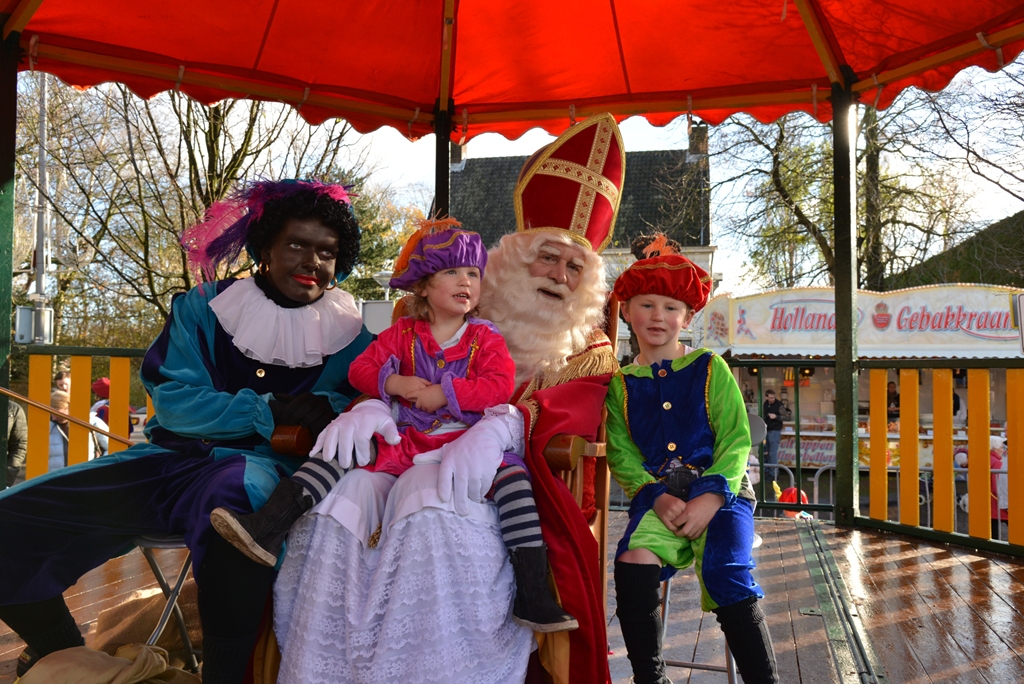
333, 382
176, 375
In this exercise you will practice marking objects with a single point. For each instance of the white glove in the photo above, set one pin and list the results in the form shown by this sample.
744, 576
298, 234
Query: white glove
351, 432
469, 463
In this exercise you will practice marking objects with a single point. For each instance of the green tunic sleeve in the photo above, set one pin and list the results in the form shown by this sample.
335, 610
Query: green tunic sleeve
728, 416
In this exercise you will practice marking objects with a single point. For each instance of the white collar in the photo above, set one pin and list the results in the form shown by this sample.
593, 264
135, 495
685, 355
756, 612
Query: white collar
297, 338
456, 338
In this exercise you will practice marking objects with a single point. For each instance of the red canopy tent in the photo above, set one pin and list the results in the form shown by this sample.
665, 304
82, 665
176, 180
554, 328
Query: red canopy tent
508, 67
467, 67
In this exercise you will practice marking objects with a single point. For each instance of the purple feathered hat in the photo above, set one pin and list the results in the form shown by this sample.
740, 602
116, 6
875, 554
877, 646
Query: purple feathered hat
222, 234
436, 246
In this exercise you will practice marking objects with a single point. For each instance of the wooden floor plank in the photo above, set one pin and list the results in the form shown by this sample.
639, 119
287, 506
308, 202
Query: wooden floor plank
909, 597
955, 651
857, 557
100, 589
771, 576
814, 655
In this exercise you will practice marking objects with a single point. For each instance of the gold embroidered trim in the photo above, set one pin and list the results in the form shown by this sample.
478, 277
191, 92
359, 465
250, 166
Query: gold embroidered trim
374, 539
532, 409
474, 345
453, 238
575, 237
587, 177
638, 489
625, 408
707, 396
661, 264
412, 353
600, 148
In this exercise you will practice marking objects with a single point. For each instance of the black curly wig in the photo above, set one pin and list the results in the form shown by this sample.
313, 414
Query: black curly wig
306, 204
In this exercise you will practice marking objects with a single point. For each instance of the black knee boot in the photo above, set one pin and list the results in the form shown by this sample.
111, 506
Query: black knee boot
747, 635
638, 605
534, 606
260, 535
45, 626
233, 593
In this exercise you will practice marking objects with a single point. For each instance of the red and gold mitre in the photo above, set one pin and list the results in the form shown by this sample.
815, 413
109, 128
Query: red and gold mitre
574, 184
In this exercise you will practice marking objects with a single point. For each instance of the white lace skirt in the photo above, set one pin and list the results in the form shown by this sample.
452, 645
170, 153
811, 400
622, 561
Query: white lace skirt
431, 604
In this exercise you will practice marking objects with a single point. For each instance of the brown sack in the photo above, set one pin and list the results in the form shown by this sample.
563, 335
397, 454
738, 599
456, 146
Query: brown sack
134, 620
133, 664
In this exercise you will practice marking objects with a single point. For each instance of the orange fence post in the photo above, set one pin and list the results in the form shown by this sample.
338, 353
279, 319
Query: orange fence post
120, 381
943, 494
78, 436
36, 460
1015, 451
979, 488
878, 506
910, 471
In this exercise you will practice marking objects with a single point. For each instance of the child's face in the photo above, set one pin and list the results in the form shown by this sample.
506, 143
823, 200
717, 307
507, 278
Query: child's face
656, 319
454, 291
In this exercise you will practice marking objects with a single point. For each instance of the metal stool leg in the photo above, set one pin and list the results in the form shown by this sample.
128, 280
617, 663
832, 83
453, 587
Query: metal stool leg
730, 665
666, 597
172, 606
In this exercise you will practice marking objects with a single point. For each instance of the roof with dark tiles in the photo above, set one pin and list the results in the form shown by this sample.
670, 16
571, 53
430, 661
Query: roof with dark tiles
481, 197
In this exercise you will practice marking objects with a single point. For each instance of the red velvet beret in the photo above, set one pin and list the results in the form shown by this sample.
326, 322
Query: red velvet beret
671, 275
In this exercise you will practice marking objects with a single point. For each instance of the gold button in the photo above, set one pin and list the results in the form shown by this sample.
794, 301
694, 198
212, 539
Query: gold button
667, 405
671, 446
260, 372
662, 373
440, 363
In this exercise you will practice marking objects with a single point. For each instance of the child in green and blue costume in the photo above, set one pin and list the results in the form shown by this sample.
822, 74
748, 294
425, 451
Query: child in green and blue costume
678, 441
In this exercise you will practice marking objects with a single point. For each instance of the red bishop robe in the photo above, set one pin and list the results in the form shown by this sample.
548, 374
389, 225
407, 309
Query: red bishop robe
571, 404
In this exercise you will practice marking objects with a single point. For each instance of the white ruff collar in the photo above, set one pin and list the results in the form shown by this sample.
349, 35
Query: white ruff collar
297, 338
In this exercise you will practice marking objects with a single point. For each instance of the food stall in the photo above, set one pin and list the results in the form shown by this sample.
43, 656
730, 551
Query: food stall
787, 326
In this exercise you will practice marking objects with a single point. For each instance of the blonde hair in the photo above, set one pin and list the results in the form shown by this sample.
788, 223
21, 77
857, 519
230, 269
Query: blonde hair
416, 305
59, 400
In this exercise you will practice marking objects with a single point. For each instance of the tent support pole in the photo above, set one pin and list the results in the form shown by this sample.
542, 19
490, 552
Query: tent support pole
9, 52
442, 150
844, 172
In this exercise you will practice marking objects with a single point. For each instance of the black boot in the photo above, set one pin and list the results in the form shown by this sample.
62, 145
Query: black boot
26, 660
747, 635
46, 626
638, 605
259, 535
534, 606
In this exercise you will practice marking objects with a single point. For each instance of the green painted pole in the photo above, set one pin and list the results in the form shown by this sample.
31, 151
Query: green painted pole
9, 52
844, 173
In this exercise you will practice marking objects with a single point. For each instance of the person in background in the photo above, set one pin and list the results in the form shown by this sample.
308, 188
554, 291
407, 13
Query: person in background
999, 484
17, 443
773, 412
892, 402
101, 411
58, 453
62, 381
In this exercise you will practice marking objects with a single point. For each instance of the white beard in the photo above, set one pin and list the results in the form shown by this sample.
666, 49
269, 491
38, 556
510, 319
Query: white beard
541, 332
